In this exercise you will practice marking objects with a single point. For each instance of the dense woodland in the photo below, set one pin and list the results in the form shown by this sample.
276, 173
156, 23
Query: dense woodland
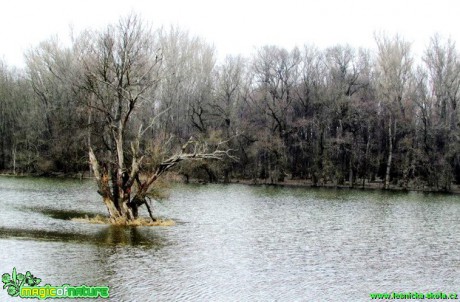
335, 116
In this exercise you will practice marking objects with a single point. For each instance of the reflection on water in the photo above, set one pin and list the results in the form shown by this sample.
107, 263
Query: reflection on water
63, 214
128, 236
108, 235
235, 242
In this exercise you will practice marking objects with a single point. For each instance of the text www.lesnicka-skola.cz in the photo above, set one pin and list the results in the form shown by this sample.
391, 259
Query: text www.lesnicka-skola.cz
413, 295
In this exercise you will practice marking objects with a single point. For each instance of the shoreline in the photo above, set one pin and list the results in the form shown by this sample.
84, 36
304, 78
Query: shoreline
373, 186
294, 183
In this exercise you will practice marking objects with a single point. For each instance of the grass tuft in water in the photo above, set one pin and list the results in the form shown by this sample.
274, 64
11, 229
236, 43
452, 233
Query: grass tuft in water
98, 219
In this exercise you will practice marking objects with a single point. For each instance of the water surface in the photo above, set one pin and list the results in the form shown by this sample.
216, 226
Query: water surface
235, 242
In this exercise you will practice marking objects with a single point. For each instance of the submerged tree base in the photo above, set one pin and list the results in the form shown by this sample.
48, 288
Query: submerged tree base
98, 219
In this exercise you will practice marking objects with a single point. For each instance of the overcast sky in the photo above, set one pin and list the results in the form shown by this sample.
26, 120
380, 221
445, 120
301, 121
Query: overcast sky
236, 26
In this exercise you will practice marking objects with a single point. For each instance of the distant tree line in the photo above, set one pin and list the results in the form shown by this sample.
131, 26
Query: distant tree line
340, 115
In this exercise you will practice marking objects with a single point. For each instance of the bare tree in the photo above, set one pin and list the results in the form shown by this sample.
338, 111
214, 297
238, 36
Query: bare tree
444, 71
19, 122
188, 65
348, 74
276, 73
394, 70
51, 71
439, 112
122, 67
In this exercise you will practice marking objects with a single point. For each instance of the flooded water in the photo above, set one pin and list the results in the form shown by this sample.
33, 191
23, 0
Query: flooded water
235, 242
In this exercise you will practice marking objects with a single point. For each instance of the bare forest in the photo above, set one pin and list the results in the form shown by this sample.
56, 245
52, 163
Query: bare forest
129, 102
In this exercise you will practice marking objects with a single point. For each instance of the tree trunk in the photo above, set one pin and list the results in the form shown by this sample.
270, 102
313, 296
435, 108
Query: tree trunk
390, 155
109, 197
14, 160
350, 172
117, 197
366, 158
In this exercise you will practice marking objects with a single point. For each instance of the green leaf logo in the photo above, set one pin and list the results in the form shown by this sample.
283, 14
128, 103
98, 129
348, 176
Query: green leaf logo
6, 278
13, 283
12, 290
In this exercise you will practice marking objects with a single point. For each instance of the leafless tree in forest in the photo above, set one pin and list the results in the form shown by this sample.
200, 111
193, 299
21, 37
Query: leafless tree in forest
394, 70
133, 96
122, 69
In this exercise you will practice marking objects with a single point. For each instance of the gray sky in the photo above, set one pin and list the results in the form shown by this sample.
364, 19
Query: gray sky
237, 26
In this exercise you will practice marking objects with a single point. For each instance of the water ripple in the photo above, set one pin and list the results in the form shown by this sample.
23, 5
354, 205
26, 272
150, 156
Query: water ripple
237, 243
